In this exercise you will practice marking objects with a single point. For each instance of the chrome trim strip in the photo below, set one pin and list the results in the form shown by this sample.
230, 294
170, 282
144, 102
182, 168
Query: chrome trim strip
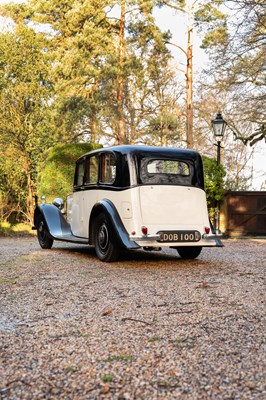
212, 236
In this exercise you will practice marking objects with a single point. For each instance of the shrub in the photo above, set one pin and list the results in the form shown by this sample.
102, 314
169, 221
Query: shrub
214, 183
56, 176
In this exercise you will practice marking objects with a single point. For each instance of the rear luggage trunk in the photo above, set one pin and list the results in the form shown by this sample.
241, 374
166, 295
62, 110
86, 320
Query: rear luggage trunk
180, 207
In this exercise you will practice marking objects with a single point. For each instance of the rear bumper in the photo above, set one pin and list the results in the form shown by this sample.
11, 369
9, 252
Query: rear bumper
210, 240
145, 238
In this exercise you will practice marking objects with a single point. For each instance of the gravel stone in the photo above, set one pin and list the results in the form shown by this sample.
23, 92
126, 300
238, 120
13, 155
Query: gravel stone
150, 326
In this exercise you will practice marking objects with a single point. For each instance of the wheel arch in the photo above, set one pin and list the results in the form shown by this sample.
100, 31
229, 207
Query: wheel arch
53, 219
108, 208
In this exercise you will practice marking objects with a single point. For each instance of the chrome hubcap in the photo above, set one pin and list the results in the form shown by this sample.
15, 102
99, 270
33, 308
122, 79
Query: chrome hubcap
103, 237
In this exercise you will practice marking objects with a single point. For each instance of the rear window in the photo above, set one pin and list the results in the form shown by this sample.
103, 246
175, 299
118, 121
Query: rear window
167, 167
165, 171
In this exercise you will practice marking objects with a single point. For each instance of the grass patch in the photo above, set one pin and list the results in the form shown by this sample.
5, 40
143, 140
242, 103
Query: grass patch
107, 378
118, 357
6, 229
154, 339
70, 369
9, 280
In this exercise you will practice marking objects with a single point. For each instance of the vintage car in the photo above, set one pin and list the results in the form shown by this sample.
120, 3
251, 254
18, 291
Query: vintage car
132, 197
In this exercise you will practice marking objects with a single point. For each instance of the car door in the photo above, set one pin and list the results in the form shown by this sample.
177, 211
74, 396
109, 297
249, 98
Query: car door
85, 194
75, 217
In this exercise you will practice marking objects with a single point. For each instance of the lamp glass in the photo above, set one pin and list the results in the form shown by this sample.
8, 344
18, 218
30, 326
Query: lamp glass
218, 126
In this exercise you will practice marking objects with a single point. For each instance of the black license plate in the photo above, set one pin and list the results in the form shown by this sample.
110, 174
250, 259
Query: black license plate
179, 236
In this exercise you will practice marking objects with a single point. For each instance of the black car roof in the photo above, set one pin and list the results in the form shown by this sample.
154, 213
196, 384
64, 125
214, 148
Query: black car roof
148, 151
140, 152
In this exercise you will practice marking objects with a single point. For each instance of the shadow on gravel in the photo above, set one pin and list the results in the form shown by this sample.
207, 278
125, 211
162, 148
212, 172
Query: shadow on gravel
165, 257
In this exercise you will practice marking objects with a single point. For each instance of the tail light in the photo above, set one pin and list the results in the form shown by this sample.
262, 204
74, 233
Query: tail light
144, 230
207, 229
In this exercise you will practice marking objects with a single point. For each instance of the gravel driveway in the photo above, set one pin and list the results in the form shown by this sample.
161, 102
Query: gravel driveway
151, 326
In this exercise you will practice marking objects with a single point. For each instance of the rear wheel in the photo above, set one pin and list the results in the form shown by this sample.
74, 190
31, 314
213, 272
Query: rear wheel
189, 253
106, 247
43, 237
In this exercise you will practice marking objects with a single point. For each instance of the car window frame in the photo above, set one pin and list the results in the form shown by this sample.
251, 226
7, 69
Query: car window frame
79, 163
88, 169
146, 178
101, 158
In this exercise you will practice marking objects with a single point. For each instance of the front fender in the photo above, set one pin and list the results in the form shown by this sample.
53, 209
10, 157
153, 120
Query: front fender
56, 225
111, 212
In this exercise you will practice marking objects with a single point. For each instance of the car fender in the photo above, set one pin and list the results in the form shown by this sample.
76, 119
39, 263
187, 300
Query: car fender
111, 212
57, 226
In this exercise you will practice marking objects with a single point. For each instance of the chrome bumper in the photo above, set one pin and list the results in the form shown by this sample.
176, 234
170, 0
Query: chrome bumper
145, 238
156, 237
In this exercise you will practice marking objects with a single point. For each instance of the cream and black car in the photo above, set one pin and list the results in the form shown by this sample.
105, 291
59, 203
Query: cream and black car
132, 197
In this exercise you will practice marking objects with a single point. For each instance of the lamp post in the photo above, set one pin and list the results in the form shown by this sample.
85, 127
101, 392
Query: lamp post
218, 126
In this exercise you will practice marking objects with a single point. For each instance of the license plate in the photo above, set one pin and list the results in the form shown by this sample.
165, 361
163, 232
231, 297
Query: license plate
179, 236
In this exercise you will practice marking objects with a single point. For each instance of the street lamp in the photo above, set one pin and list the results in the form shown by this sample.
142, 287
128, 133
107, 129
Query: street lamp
218, 126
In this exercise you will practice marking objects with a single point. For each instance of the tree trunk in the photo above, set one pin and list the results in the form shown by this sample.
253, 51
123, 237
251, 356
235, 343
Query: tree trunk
189, 78
30, 197
122, 139
94, 127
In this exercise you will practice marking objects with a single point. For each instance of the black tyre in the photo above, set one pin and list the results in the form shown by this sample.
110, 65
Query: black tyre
43, 237
106, 247
189, 253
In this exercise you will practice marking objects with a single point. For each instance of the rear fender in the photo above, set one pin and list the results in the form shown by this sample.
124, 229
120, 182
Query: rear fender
108, 208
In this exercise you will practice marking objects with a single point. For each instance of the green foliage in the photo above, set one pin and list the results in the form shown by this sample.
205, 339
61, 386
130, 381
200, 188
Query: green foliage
118, 357
217, 37
164, 129
107, 378
24, 96
214, 182
57, 174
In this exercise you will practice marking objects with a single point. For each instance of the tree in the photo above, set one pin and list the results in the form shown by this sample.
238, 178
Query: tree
238, 67
95, 69
129, 92
25, 91
72, 82
150, 89
165, 123
195, 11
235, 156
81, 43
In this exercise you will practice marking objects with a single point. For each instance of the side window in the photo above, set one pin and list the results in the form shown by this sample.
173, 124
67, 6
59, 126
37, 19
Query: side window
79, 175
108, 168
92, 170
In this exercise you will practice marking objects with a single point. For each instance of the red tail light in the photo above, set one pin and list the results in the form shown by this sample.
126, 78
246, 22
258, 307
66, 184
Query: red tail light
207, 230
144, 230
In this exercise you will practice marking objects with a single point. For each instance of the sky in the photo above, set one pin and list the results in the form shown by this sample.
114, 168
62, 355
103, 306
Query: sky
176, 23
